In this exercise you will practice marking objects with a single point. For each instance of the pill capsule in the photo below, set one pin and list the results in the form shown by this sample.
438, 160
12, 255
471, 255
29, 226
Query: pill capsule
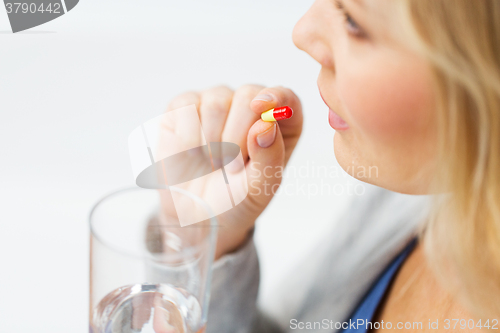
280, 113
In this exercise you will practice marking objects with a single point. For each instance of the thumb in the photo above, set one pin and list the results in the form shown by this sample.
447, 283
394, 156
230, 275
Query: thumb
266, 150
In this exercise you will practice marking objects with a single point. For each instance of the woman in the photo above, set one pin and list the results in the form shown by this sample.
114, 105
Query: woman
413, 88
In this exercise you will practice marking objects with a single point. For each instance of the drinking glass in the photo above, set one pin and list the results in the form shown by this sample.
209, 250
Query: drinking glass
147, 273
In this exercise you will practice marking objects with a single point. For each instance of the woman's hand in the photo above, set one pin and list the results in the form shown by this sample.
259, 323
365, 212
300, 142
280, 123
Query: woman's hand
234, 116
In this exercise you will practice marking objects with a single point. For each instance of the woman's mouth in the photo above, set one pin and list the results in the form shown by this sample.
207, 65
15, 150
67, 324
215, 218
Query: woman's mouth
336, 122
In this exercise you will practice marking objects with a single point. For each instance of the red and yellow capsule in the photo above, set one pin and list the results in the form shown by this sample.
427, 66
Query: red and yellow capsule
280, 113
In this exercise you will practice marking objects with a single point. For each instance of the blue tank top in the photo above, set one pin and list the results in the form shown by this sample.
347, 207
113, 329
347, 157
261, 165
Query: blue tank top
368, 306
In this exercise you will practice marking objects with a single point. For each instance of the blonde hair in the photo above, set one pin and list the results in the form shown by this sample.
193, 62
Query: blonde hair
461, 40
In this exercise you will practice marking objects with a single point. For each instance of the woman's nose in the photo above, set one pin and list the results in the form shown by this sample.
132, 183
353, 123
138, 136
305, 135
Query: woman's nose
311, 35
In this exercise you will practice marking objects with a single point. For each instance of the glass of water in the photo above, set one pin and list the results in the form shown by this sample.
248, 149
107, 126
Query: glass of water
147, 273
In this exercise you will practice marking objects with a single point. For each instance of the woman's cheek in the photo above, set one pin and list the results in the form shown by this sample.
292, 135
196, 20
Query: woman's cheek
384, 105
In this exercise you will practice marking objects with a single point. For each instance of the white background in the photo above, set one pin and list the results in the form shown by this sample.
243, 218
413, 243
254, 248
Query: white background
72, 90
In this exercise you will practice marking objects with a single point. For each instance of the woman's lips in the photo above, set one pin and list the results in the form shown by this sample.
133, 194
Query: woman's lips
336, 122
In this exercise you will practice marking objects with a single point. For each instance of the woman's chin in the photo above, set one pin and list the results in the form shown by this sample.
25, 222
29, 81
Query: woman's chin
379, 173
349, 160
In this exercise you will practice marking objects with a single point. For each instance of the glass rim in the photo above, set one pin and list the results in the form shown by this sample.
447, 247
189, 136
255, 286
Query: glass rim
213, 220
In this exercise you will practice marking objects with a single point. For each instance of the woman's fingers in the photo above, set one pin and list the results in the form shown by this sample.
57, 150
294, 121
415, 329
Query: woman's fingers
269, 98
180, 130
184, 99
214, 108
240, 120
267, 160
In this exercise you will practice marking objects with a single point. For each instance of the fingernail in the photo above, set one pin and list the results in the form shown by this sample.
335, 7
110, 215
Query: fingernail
264, 97
266, 139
